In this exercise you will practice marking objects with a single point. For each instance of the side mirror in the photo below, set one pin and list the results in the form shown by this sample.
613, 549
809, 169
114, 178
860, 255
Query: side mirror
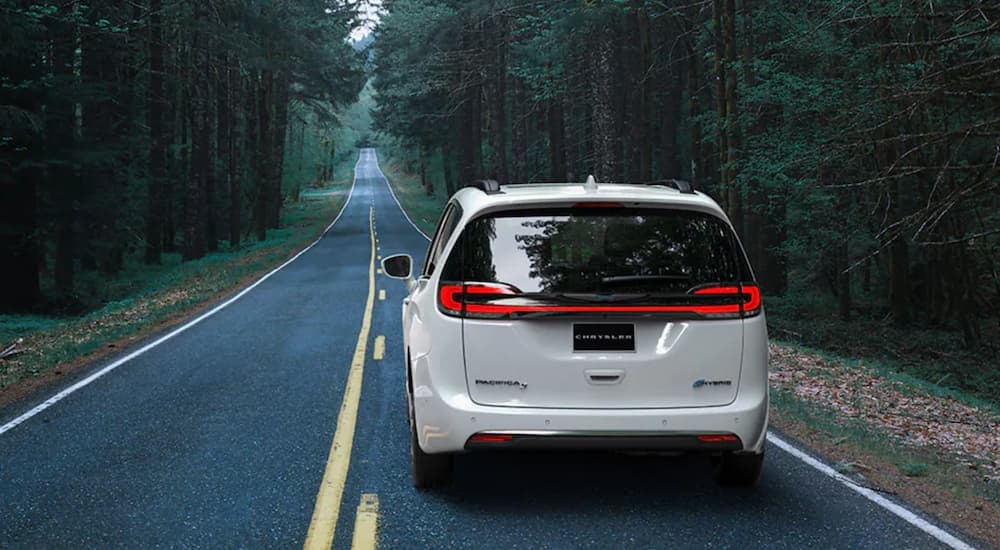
398, 266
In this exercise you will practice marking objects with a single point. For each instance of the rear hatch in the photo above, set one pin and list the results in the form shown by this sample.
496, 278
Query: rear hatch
600, 306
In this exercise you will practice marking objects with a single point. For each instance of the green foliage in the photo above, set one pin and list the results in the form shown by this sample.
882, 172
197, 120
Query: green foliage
129, 131
914, 469
936, 357
861, 161
423, 208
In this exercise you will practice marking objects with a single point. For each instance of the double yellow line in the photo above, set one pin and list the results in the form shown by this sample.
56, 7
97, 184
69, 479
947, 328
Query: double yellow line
331, 490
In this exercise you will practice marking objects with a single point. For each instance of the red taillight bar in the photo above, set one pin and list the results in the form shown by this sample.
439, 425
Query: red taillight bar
717, 438
450, 295
491, 438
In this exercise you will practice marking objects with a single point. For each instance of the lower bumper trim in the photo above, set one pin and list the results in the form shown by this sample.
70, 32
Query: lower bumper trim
570, 441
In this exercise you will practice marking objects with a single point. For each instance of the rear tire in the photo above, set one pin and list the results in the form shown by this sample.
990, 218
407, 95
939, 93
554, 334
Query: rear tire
429, 470
738, 470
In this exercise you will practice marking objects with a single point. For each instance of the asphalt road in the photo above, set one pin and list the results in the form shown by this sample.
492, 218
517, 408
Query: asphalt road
219, 437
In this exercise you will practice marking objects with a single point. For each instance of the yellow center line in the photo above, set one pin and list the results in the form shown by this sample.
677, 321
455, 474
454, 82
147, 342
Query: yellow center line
379, 351
331, 490
366, 523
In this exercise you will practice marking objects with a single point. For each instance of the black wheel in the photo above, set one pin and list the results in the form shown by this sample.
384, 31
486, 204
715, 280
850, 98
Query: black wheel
738, 470
428, 470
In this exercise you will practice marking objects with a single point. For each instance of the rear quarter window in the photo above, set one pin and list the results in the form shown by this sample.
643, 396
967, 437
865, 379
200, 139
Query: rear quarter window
446, 227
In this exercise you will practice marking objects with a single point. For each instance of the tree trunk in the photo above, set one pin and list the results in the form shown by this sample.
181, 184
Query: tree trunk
694, 109
154, 119
223, 149
470, 164
64, 180
331, 162
899, 266
280, 93
263, 152
194, 197
422, 159
965, 284
721, 132
899, 260
757, 222
234, 145
300, 165
602, 141
498, 135
213, 153
732, 123
645, 100
447, 162
670, 166
519, 134
557, 141
621, 93
105, 120
19, 251
182, 139
843, 281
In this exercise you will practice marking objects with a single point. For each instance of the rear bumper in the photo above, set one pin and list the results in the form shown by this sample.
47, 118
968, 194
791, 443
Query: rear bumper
447, 424
571, 441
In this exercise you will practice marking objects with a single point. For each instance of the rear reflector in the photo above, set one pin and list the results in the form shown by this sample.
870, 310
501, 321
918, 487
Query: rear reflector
490, 438
717, 438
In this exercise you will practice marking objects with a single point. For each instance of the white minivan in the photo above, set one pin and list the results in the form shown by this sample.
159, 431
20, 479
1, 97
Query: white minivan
584, 316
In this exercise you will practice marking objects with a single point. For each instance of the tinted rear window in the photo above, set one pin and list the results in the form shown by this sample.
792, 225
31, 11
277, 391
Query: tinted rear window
598, 250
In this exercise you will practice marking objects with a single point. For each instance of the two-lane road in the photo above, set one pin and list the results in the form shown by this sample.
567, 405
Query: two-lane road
221, 435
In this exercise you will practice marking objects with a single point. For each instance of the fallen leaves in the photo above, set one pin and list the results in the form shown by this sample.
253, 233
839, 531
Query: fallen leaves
905, 412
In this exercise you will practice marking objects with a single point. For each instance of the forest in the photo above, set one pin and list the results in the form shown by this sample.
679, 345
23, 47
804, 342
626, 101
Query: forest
136, 129
855, 144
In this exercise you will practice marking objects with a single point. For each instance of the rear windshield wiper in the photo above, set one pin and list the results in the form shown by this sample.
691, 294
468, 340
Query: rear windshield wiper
607, 298
625, 279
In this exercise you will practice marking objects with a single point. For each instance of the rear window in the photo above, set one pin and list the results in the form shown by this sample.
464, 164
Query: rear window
598, 250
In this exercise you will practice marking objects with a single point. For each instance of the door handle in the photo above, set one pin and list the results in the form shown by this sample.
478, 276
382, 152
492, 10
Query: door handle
604, 377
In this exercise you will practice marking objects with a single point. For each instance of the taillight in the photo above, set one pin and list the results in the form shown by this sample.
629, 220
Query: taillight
490, 438
747, 303
451, 296
717, 438
473, 300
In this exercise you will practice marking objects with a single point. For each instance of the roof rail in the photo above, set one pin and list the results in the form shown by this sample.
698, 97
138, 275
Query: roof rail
490, 187
680, 185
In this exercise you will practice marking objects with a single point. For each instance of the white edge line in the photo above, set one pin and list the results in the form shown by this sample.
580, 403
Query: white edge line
393, 193
121, 361
896, 509
900, 511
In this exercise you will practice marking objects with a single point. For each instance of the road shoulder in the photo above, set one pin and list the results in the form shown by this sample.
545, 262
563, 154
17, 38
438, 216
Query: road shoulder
69, 351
